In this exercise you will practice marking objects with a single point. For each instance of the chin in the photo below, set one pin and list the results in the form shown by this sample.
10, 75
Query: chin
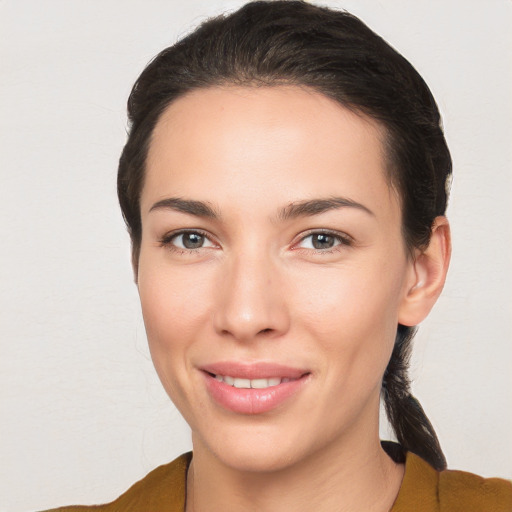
254, 448
263, 448
253, 458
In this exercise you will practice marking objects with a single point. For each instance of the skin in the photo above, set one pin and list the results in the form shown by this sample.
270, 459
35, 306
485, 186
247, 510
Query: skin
259, 290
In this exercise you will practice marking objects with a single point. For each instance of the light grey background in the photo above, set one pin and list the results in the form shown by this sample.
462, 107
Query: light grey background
82, 413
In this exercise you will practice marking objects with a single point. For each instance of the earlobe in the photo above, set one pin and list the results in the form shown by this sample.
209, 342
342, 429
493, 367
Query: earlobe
428, 275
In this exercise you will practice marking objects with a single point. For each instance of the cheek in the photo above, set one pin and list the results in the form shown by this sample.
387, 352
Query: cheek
172, 299
353, 326
174, 310
175, 305
352, 314
350, 299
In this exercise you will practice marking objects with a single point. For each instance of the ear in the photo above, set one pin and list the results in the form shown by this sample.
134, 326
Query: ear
427, 276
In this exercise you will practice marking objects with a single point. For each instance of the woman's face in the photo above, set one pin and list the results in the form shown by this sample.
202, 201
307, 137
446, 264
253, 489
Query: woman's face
272, 271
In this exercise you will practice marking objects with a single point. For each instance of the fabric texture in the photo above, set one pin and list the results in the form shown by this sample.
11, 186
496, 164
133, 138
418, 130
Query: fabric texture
423, 489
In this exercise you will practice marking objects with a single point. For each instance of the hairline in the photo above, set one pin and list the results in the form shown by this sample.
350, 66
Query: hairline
384, 134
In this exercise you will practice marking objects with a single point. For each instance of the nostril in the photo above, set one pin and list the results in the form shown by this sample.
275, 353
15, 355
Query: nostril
265, 331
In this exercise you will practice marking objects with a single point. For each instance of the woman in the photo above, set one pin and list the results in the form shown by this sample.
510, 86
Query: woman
284, 184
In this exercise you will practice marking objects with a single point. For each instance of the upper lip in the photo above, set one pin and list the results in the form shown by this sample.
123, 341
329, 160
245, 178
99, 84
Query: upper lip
254, 370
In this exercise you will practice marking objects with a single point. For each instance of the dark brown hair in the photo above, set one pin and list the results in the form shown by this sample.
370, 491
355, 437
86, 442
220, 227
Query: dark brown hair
335, 53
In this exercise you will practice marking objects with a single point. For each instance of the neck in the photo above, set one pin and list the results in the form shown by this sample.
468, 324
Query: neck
345, 476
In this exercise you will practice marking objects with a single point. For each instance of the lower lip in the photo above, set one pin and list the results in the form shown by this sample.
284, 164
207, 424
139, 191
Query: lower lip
252, 401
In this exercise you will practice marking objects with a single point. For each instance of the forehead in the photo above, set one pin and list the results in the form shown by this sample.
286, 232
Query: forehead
284, 139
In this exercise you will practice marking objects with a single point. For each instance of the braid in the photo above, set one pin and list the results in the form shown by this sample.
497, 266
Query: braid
412, 427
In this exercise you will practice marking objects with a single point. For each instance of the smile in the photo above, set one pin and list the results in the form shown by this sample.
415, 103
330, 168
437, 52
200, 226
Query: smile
252, 383
253, 388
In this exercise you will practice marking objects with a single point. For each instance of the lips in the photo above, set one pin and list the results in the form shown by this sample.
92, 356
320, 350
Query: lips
253, 388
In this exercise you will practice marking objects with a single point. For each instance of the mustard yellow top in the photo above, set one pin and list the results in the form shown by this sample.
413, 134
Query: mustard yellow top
423, 489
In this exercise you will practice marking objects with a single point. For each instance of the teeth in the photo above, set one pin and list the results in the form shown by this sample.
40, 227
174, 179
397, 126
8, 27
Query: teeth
265, 383
242, 383
251, 383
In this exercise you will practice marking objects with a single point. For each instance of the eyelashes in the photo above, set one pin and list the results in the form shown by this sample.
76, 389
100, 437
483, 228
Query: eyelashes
187, 241
193, 241
190, 240
324, 241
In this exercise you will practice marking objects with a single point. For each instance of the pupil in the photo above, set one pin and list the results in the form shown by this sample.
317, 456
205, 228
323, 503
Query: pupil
192, 240
323, 241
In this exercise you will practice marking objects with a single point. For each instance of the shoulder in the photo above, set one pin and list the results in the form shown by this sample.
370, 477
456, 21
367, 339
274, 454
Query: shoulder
426, 490
459, 490
163, 489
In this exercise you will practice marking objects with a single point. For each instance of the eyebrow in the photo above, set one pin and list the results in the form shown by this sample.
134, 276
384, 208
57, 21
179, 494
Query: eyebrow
291, 211
318, 206
197, 208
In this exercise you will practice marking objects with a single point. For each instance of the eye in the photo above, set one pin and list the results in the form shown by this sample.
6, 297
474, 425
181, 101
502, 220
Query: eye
187, 240
321, 241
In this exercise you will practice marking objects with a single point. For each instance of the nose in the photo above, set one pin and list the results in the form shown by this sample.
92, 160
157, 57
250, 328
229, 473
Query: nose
251, 301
